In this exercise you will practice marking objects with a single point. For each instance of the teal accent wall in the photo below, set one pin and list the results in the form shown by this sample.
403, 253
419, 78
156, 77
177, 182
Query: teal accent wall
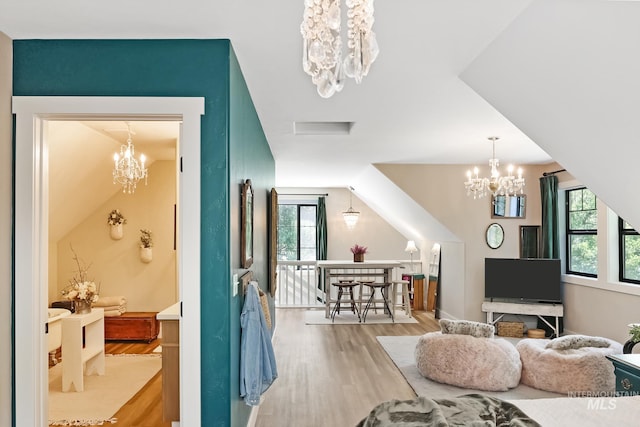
232, 145
251, 159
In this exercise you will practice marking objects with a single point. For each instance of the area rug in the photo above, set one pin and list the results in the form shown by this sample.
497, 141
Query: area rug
316, 317
401, 351
103, 395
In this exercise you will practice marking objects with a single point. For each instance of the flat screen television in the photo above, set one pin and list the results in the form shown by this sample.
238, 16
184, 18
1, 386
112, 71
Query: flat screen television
525, 279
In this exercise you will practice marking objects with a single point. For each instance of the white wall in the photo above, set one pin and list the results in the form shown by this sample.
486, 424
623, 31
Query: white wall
382, 240
116, 264
6, 171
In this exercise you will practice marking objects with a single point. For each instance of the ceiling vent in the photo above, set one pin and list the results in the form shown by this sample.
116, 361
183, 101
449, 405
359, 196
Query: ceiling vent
322, 128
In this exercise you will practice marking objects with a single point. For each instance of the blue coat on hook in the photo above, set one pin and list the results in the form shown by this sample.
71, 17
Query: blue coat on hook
257, 360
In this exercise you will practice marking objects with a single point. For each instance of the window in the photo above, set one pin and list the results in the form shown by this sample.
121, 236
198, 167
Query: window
297, 232
629, 244
582, 232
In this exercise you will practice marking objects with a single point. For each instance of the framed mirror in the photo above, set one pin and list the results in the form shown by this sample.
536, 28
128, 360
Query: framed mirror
246, 211
529, 241
508, 206
495, 235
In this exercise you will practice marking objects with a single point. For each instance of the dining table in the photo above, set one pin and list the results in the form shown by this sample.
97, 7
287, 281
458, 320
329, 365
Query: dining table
331, 271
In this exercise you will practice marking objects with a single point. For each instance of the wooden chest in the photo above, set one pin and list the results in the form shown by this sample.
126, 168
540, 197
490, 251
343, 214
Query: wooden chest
132, 326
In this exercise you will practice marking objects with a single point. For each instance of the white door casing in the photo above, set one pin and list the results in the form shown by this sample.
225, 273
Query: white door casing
31, 231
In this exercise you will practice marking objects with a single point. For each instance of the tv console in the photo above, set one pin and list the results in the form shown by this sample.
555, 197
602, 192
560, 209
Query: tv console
553, 310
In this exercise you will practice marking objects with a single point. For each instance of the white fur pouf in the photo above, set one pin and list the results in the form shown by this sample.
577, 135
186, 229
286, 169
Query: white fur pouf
577, 370
490, 364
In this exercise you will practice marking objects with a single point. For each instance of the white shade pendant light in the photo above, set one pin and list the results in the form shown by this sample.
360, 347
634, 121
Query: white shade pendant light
497, 185
127, 171
350, 215
322, 43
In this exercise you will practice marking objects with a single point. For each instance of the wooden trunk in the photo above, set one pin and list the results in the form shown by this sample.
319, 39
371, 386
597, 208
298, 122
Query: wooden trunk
132, 326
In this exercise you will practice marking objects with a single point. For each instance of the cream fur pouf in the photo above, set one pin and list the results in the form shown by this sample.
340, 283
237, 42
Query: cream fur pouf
490, 364
583, 369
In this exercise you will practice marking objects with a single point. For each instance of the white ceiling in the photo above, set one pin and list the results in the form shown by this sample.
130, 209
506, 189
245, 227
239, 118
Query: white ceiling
411, 108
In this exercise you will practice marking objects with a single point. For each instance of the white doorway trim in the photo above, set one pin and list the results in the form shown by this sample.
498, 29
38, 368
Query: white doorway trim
31, 230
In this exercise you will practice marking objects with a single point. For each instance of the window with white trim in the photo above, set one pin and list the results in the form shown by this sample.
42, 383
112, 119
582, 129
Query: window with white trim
582, 232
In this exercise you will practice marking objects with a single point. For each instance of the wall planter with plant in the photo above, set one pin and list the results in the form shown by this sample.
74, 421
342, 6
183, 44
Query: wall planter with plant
146, 243
116, 220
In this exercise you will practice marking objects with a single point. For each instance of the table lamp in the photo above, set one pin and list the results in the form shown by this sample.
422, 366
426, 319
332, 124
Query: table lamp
411, 248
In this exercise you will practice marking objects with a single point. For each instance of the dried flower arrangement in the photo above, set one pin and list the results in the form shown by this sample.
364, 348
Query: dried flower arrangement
80, 287
145, 238
115, 218
358, 250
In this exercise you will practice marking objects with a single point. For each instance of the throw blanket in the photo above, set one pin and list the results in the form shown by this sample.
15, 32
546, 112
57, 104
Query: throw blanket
475, 410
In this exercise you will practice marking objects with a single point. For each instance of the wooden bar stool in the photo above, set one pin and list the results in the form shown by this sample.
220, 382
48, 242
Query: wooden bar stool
384, 289
406, 300
345, 288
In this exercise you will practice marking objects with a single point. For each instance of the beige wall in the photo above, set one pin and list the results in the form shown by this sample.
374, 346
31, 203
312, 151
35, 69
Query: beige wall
6, 172
440, 191
382, 240
116, 264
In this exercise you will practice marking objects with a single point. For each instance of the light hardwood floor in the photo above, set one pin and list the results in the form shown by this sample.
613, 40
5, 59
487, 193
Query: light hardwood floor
328, 375
333, 375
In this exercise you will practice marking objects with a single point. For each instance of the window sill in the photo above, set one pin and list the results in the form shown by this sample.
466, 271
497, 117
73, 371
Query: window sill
620, 287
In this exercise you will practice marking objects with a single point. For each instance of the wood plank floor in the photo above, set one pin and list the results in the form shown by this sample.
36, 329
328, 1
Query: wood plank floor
145, 408
333, 375
329, 375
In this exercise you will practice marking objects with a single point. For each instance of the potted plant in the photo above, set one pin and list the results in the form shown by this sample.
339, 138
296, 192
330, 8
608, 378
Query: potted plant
81, 290
634, 331
358, 252
115, 221
146, 243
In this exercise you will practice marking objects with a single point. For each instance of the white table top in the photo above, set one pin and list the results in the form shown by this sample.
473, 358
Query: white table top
364, 264
170, 313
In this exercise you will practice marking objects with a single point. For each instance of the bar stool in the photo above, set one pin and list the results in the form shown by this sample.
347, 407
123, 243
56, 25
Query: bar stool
384, 289
345, 288
406, 299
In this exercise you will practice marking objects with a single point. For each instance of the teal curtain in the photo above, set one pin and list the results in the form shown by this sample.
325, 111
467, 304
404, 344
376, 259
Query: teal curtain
549, 197
321, 230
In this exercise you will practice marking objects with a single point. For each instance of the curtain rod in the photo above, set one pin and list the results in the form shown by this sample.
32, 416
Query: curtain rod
554, 172
305, 194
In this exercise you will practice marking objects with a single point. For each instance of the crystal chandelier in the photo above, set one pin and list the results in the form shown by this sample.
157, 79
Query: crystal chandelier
126, 169
350, 216
496, 184
322, 44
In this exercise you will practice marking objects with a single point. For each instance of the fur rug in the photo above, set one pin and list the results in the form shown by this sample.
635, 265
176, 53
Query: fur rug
583, 369
490, 364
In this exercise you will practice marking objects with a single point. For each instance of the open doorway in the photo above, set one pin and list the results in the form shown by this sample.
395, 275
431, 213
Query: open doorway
133, 284
33, 115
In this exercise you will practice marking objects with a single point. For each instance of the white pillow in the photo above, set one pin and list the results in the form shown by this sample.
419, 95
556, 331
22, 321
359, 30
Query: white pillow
467, 327
574, 342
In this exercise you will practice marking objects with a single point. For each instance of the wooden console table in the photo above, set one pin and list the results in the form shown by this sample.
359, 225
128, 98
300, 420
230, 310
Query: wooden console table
553, 310
82, 348
170, 319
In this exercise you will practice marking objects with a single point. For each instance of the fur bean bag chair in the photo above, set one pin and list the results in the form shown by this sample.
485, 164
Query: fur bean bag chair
490, 364
573, 363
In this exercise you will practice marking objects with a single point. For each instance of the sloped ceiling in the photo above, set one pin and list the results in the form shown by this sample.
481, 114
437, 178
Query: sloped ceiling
566, 73
81, 164
411, 108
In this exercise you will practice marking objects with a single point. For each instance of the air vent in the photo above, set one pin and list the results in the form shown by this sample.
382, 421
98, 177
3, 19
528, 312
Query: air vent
322, 128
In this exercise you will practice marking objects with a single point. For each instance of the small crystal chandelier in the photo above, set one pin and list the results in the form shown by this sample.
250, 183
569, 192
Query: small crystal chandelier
126, 169
322, 44
350, 216
496, 184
